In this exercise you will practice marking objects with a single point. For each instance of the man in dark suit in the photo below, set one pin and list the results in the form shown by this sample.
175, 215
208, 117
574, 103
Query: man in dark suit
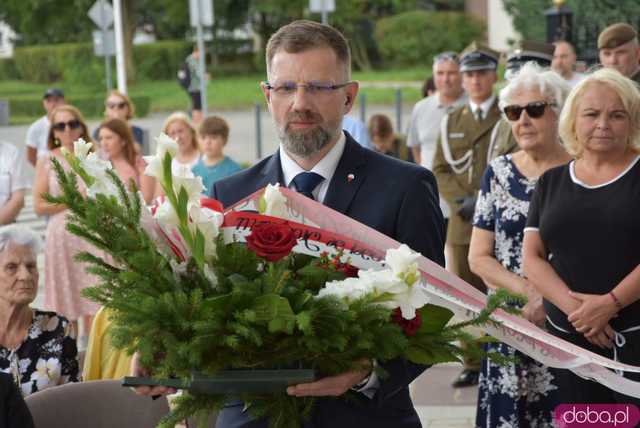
308, 92
13, 410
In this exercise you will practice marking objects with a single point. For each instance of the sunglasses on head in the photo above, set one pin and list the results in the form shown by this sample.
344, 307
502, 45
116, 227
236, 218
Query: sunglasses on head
534, 110
119, 105
446, 56
72, 124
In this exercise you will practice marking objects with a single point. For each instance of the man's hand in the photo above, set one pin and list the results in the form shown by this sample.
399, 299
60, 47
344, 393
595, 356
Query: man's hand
594, 313
467, 207
138, 370
332, 385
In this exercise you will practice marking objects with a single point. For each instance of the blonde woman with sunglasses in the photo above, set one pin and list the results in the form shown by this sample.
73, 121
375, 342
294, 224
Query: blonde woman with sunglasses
523, 392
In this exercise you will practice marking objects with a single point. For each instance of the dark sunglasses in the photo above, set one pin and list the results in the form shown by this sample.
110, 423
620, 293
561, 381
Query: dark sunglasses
120, 105
534, 110
72, 124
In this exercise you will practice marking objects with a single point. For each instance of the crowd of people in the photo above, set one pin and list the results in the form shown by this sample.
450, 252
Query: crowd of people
538, 181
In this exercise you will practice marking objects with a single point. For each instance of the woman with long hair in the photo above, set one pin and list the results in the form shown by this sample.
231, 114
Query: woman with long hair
117, 145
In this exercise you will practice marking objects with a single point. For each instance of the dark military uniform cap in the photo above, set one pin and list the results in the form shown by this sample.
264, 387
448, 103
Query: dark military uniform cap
616, 35
529, 50
478, 56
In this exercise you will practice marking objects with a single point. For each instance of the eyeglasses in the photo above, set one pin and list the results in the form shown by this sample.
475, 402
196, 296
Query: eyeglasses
534, 110
446, 56
72, 124
287, 89
119, 105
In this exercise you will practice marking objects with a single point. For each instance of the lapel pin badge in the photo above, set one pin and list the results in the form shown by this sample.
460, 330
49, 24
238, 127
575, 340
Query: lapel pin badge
350, 178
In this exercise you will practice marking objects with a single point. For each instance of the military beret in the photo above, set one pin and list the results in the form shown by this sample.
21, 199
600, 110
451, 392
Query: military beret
529, 50
616, 35
478, 56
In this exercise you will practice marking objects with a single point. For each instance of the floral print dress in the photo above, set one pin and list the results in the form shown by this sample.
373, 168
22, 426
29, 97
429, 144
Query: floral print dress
521, 394
47, 357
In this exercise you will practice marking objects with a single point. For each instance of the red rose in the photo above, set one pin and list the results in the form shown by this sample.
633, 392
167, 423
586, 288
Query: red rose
410, 327
350, 271
271, 241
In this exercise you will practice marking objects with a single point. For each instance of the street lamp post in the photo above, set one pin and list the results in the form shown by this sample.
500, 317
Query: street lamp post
559, 22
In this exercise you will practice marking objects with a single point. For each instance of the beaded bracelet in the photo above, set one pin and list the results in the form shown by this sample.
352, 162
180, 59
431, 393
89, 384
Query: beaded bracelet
615, 300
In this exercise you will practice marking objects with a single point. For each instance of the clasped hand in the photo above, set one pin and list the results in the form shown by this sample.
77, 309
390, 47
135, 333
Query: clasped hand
592, 317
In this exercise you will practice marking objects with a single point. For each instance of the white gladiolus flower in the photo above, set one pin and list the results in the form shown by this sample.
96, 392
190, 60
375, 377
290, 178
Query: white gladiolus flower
208, 222
414, 298
102, 185
166, 215
401, 260
165, 144
81, 148
397, 286
193, 186
94, 166
275, 202
154, 166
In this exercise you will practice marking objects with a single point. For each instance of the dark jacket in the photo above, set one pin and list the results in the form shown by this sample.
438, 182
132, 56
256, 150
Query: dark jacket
13, 410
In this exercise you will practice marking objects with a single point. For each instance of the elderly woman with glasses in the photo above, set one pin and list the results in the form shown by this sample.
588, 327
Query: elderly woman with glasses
521, 393
582, 241
37, 348
64, 277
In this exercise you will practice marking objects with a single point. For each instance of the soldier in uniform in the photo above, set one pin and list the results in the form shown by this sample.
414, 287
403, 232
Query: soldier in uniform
460, 161
618, 48
502, 141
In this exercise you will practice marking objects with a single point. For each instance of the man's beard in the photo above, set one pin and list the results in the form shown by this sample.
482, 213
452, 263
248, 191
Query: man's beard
304, 143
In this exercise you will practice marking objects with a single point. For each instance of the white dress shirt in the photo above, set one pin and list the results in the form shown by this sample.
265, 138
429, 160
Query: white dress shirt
12, 172
326, 168
38, 134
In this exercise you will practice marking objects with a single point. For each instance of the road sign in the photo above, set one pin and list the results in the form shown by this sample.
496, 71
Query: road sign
319, 6
205, 9
104, 44
101, 13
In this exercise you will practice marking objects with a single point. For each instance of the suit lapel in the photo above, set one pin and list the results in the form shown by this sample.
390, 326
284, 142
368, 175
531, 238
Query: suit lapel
348, 177
272, 172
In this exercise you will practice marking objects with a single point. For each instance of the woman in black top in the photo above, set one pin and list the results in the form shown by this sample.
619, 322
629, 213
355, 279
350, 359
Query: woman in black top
582, 241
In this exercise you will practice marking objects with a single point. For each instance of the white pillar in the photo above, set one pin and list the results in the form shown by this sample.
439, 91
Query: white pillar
117, 26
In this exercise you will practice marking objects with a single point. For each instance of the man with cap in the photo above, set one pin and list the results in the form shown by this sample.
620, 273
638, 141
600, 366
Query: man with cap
502, 141
38, 132
618, 48
564, 60
424, 126
460, 161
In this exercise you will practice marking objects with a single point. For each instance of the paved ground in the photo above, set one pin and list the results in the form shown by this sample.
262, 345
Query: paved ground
439, 405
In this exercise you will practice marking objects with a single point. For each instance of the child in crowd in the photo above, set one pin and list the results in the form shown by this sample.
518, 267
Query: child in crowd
213, 164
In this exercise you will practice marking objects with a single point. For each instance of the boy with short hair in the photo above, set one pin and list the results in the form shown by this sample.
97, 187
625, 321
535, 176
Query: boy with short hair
213, 164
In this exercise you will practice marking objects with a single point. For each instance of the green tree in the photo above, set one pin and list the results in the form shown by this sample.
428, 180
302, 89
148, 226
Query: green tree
589, 17
46, 22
